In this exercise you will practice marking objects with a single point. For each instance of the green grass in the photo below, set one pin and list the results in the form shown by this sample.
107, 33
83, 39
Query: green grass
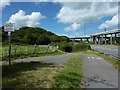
115, 63
27, 75
71, 75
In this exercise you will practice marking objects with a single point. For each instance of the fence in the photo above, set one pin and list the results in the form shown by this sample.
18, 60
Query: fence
28, 49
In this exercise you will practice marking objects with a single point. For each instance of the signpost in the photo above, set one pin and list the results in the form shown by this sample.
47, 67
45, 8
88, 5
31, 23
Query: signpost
9, 27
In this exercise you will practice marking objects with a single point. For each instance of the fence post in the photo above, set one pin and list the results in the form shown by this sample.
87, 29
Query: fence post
34, 48
15, 49
47, 48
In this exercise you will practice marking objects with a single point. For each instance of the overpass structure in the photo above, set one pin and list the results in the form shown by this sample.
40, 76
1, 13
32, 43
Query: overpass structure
103, 37
80, 38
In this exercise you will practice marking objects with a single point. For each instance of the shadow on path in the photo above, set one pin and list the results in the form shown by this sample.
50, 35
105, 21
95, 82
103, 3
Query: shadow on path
16, 69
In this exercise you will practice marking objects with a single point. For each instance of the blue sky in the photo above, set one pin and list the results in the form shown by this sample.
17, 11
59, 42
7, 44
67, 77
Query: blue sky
71, 19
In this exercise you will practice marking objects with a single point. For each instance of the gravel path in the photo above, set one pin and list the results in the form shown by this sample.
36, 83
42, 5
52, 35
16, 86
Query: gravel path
99, 73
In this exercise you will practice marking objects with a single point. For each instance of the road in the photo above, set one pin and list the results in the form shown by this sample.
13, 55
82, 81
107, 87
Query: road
98, 73
110, 50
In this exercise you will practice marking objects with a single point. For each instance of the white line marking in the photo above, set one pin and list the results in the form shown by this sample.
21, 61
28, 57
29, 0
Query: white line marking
92, 57
98, 58
89, 57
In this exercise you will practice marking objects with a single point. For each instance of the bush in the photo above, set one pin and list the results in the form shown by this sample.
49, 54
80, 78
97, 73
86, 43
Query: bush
70, 47
64, 46
81, 46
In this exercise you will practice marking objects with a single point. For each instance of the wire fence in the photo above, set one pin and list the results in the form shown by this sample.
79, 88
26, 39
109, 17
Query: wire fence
28, 49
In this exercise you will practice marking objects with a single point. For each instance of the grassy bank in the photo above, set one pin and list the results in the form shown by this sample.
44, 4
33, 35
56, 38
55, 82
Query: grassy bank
28, 75
115, 63
71, 75
36, 74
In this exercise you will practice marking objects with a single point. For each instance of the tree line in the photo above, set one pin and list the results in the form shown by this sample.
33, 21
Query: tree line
33, 35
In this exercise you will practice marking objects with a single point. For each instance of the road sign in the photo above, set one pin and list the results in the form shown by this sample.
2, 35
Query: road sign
9, 27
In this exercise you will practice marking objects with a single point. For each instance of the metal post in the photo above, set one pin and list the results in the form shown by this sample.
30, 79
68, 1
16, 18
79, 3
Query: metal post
9, 51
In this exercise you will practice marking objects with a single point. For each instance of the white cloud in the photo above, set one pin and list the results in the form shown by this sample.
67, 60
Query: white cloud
85, 12
73, 27
4, 3
20, 19
110, 23
85, 0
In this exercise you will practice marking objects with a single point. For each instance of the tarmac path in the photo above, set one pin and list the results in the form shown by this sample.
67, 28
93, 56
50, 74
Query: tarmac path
54, 60
98, 73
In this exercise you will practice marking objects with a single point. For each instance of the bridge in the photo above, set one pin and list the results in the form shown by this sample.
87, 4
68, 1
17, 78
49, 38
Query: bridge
80, 38
102, 37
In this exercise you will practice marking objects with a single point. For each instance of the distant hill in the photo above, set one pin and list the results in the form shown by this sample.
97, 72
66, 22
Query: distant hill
30, 35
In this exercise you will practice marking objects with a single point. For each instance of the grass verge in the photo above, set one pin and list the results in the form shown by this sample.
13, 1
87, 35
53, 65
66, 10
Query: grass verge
115, 63
27, 75
71, 75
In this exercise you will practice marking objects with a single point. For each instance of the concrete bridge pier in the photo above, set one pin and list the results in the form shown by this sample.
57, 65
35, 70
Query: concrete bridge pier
81, 39
111, 40
102, 39
115, 39
87, 39
105, 39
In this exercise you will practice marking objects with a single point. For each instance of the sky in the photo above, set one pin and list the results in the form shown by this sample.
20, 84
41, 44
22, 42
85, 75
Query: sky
73, 19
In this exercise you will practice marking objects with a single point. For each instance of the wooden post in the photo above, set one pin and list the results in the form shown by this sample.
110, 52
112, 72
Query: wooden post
34, 48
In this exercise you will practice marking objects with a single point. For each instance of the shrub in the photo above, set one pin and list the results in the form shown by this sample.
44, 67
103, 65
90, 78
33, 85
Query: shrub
81, 46
70, 47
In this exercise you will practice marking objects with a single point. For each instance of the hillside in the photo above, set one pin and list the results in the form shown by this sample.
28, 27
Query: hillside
30, 35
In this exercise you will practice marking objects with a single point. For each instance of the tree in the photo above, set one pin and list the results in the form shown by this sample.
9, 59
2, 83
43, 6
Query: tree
43, 40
